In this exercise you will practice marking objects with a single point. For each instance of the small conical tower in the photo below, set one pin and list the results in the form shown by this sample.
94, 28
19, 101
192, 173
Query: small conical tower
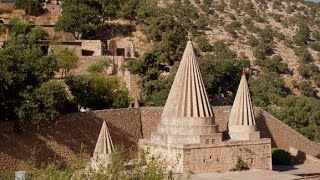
242, 124
104, 147
187, 117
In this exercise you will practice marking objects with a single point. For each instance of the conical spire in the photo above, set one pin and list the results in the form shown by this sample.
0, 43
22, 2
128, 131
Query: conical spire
242, 111
104, 144
188, 97
241, 119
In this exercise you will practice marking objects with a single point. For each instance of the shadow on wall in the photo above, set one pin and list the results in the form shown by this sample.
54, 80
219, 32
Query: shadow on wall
77, 133
264, 129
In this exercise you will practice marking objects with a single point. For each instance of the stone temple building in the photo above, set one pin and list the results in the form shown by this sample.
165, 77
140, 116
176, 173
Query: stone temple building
187, 137
102, 152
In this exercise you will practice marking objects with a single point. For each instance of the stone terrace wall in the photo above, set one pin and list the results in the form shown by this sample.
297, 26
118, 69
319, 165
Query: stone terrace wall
150, 118
8, 6
281, 135
127, 126
73, 133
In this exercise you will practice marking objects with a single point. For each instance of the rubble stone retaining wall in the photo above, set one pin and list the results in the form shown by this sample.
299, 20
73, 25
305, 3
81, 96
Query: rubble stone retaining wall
78, 132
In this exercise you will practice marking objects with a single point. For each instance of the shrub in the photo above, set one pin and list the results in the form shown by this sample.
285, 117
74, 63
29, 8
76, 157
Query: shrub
201, 22
4, 11
203, 44
315, 46
303, 54
281, 157
2, 29
306, 88
98, 66
253, 41
240, 166
316, 79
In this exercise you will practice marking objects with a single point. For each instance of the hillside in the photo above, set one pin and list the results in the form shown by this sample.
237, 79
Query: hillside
278, 42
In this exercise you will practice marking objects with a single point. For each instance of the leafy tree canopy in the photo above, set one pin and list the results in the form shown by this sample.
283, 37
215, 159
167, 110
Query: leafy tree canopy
24, 68
98, 92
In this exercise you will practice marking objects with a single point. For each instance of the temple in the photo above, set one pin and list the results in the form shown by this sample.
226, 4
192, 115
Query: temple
102, 152
187, 137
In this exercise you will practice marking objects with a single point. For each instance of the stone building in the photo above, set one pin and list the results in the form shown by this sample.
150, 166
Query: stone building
187, 137
102, 152
123, 47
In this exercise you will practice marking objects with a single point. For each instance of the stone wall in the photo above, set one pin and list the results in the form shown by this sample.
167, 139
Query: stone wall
70, 135
8, 6
257, 154
93, 47
77, 131
281, 135
150, 117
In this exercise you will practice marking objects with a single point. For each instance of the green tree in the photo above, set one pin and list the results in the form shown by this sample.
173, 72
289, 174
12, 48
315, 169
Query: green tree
78, 17
267, 89
67, 60
23, 68
44, 104
18, 26
274, 64
300, 113
220, 71
31, 7
170, 38
39, 33
97, 91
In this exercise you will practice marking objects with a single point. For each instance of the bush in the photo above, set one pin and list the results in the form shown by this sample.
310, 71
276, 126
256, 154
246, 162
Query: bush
240, 166
98, 66
253, 41
3, 11
203, 44
97, 91
315, 46
281, 157
306, 88
201, 22
2, 29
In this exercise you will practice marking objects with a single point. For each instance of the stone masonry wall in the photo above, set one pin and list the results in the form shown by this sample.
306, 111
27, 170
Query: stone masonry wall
281, 135
70, 135
92, 45
8, 6
257, 154
79, 131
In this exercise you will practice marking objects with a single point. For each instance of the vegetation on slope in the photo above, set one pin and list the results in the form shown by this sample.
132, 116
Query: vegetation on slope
277, 41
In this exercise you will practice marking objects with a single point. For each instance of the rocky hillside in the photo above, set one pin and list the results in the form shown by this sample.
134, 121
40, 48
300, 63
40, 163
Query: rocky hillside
277, 41
289, 27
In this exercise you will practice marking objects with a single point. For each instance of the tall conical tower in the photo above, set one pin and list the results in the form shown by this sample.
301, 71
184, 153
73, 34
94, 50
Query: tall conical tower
104, 147
187, 117
187, 137
242, 124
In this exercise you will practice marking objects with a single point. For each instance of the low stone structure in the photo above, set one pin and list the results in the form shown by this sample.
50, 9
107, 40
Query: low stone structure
121, 47
102, 152
187, 137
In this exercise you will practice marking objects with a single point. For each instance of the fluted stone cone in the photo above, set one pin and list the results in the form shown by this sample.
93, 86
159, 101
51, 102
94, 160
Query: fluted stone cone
242, 124
187, 114
104, 145
188, 96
